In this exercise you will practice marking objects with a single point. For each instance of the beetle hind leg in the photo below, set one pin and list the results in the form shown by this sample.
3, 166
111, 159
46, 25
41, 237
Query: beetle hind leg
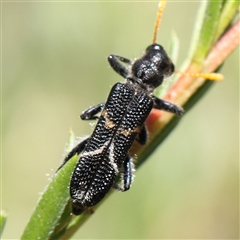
76, 150
126, 176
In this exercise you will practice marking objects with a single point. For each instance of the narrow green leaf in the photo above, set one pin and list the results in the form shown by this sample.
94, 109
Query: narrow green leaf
45, 219
3, 219
197, 28
208, 30
174, 47
74, 225
62, 222
228, 12
173, 54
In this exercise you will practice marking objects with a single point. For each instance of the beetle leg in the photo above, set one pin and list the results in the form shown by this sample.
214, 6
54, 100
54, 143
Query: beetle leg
167, 106
126, 176
142, 136
115, 62
76, 150
90, 113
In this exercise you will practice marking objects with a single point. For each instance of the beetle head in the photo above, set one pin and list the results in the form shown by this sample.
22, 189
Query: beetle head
153, 67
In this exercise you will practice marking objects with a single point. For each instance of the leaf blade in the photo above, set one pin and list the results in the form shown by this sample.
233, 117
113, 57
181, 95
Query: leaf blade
51, 205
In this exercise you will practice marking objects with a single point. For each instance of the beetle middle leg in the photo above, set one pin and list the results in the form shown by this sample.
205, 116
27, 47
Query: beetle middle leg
90, 113
142, 136
167, 106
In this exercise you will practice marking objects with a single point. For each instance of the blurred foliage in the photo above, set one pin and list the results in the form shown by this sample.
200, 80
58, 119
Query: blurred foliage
54, 67
3, 219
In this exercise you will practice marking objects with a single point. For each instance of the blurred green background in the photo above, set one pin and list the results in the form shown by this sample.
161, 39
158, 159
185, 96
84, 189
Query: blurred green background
54, 67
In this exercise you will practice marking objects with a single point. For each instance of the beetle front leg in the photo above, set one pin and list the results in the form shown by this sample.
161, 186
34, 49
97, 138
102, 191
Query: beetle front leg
167, 106
115, 62
90, 113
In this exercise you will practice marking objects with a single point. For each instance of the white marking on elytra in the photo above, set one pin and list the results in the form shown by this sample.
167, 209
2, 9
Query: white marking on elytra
97, 151
111, 157
100, 150
127, 132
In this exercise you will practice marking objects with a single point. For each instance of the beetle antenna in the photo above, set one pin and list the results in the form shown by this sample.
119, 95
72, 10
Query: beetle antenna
161, 7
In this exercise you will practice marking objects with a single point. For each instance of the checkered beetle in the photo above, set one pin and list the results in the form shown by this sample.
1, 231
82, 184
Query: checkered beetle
104, 155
